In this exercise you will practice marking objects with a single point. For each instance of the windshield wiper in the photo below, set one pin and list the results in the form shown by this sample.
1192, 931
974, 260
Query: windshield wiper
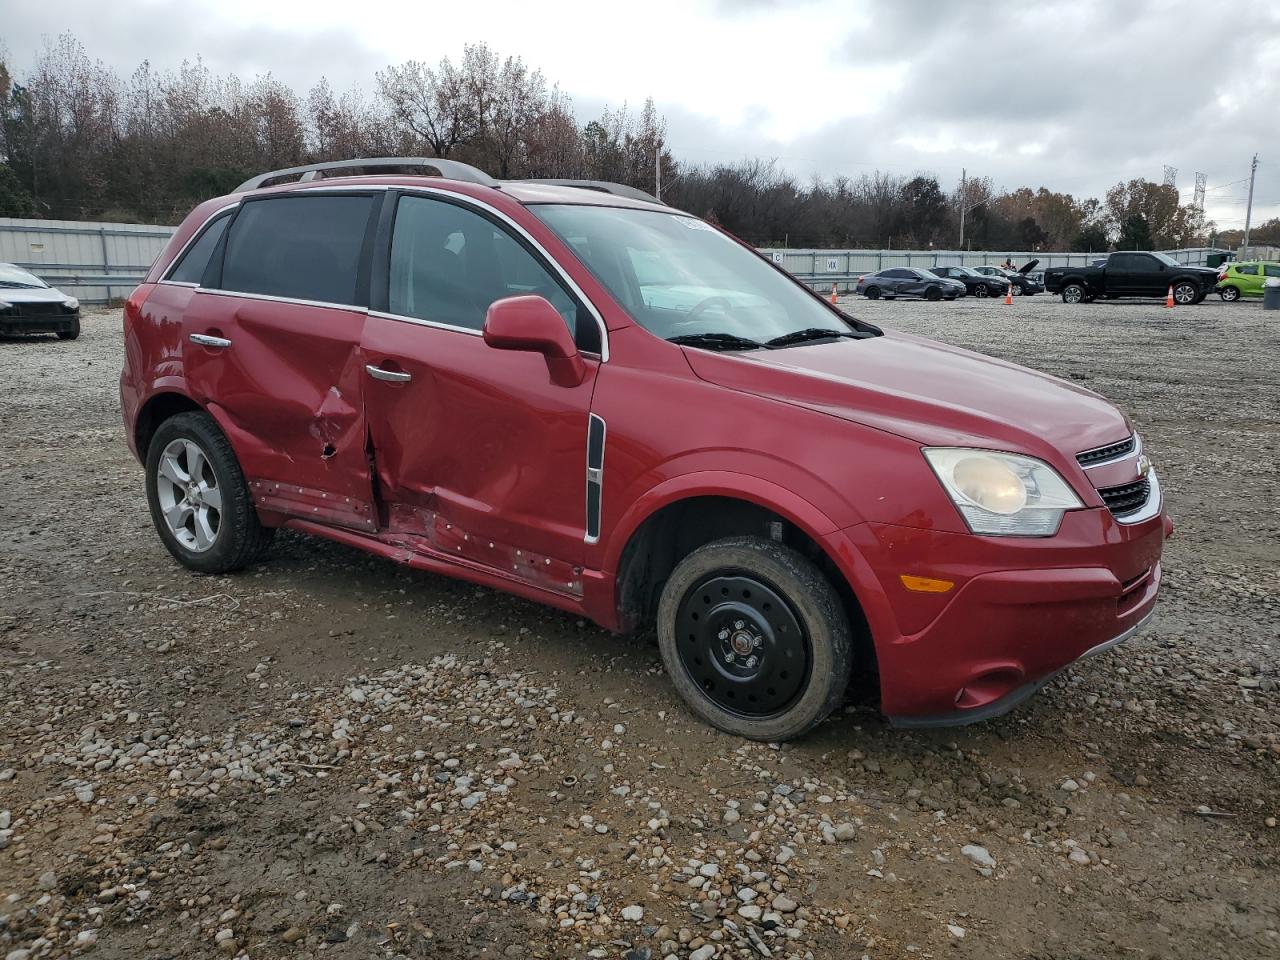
18, 285
811, 333
716, 341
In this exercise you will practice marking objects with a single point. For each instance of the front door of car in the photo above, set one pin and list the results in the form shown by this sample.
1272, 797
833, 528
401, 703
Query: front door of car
271, 347
477, 453
1145, 276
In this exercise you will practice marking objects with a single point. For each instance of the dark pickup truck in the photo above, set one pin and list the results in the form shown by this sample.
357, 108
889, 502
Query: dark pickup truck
1130, 273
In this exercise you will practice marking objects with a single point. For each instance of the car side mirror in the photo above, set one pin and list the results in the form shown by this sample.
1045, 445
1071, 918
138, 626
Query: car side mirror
532, 324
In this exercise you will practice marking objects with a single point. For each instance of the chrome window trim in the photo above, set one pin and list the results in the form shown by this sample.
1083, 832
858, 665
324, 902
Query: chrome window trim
179, 283
353, 308
419, 321
177, 258
1136, 451
1152, 507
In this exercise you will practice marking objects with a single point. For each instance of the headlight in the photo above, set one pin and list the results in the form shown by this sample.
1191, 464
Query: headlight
71, 303
1003, 494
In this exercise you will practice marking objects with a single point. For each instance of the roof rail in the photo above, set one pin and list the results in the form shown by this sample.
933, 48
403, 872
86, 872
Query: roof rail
449, 169
600, 186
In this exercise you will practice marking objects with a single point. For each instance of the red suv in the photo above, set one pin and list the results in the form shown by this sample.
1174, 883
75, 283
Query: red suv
572, 392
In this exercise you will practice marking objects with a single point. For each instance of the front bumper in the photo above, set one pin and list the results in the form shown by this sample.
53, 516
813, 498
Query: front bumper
1021, 610
11, 323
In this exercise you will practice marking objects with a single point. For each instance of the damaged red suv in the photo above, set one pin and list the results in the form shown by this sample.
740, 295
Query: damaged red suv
572, 392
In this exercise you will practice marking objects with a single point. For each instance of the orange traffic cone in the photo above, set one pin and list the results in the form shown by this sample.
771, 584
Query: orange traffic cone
1168, 299
1008, 295
833, 293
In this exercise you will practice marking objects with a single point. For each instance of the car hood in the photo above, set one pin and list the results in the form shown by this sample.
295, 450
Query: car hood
926, 391
31, 295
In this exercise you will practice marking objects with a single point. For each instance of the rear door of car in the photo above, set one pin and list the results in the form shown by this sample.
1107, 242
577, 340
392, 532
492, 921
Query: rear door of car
477, 453
1251, 278
271, 346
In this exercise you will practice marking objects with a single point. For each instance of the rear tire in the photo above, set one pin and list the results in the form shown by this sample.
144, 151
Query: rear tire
200, 503
872, 293
1073, 293
1229, 294
72, 333
754, 638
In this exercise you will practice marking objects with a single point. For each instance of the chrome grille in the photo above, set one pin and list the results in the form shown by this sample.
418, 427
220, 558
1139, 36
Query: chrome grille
1113, 451
1126, 499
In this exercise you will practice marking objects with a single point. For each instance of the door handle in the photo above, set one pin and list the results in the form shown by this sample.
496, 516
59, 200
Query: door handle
390, 376
219, 343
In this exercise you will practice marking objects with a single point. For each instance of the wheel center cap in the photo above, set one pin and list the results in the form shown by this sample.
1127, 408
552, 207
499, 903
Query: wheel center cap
742, 642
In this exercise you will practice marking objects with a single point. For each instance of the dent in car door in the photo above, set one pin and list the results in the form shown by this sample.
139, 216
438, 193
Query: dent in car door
478, 454
274, 353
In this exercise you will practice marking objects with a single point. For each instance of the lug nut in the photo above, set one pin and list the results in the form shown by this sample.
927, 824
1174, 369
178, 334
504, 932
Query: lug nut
723, 634
728, 657
756, 641
738, 624
752, 661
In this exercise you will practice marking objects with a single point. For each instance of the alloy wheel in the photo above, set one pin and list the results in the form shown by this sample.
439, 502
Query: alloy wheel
742, 645
1184, 293
190, 499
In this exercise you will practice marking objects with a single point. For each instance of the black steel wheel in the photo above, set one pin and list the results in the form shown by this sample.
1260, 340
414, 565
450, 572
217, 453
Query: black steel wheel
933, 293
755, 638
872, 293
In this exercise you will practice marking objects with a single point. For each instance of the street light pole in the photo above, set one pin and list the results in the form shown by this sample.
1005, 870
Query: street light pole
962, 202
1248, 210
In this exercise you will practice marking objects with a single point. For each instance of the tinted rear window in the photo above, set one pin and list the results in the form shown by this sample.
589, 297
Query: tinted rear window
192, 265
303, 248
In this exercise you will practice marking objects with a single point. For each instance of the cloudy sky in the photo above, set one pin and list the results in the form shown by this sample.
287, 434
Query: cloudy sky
1072, 95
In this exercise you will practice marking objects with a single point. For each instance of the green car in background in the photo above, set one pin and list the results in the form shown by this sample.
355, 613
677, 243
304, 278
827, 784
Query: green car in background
1245, 279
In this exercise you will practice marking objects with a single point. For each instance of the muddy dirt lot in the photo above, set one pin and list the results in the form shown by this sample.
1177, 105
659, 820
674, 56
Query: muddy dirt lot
328, 755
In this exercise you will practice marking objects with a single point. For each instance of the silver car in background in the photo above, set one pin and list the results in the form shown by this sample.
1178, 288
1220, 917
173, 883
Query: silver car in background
29, 305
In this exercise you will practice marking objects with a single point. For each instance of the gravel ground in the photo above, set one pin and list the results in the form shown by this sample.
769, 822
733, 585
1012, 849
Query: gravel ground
329, 753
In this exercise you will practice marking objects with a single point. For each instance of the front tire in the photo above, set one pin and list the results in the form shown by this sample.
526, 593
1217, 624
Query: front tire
754, 638
72, 333
1185, 293
981, 290
199, 501
1229, 294
933, 293
1073, 293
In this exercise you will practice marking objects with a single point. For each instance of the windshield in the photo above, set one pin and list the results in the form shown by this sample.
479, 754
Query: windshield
678, 277
11, 276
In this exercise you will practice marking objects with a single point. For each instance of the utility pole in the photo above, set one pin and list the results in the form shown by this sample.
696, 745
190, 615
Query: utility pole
657, 171
1248, 210
963, 199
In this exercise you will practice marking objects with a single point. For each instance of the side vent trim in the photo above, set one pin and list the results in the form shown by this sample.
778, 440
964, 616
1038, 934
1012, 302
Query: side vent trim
595, 475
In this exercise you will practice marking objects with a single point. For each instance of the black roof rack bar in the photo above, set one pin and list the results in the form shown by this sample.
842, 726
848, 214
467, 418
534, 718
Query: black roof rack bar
600, 186
449, 169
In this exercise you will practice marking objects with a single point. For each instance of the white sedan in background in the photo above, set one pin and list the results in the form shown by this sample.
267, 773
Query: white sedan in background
29, 305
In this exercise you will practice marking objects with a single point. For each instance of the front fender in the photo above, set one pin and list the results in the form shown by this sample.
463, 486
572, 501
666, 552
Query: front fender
715, 483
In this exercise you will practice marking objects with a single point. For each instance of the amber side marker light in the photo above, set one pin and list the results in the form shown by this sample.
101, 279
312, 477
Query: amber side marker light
925, 584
